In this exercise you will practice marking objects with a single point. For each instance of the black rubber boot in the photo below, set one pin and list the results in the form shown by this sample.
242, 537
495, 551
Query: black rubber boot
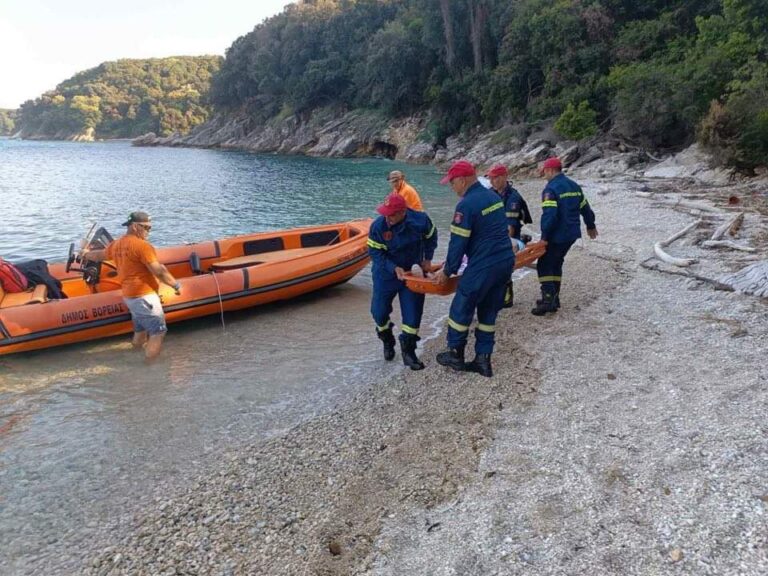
481, 364
546, 304
388, 339
408, 351
556, 301
509, 295
452, 358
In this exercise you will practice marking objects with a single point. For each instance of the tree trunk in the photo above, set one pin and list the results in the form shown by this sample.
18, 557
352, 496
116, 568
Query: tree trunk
478, 17
450, 43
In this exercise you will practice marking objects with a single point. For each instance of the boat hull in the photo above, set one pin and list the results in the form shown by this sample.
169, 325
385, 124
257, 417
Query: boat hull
103, 314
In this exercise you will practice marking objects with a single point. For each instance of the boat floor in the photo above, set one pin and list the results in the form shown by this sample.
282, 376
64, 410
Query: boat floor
266, 257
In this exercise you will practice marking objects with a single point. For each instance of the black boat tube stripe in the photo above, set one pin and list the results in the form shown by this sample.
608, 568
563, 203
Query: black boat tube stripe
9, 340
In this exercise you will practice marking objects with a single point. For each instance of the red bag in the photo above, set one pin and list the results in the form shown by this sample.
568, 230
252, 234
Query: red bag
11, 278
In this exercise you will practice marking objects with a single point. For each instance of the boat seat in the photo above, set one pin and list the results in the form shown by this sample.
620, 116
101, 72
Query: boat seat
265, 257
36, 295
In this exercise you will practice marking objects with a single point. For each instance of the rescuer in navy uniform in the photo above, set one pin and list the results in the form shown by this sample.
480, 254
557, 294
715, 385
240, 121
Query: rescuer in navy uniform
562, 203
515, 209
397, 240
479, 231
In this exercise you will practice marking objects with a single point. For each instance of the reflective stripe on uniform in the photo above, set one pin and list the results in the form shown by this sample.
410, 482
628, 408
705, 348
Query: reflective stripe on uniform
570, 195
486, 327
493, 208
583, 203
384, 327
460, 231
513, 214
410, 330
377, 245
456, 326
550, 278
549, 204
431, 233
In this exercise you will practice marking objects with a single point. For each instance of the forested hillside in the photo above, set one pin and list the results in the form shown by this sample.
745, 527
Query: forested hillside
659, 74
7, 121
124, 99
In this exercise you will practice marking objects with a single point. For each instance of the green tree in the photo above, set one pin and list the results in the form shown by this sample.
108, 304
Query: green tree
7, 122
577, 122
124, 99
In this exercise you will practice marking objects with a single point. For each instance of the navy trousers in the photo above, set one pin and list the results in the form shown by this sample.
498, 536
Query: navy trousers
481, 290
411, 305
550, 267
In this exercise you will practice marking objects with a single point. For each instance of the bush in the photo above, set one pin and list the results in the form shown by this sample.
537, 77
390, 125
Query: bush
577, 122
737, 132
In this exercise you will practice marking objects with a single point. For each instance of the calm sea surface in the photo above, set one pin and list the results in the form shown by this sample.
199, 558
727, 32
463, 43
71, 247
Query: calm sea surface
88, 434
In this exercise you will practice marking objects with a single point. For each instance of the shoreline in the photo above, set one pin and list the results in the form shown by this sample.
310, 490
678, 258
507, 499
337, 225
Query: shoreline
623, 435
605, 443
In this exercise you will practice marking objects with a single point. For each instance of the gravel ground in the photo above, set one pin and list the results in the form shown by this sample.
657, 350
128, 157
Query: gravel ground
624, 435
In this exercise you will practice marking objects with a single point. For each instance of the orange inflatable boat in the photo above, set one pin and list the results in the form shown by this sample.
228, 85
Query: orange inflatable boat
218, 275
525, 257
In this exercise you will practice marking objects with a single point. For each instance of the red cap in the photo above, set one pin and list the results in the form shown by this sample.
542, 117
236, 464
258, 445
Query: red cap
457, 170
393, 204
552, 163
498, 170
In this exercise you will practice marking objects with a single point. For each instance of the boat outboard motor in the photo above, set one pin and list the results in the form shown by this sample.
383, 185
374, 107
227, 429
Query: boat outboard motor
100, 240
194, 263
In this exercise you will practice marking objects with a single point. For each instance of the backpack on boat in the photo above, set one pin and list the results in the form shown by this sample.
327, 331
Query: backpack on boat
37, 272
12, 278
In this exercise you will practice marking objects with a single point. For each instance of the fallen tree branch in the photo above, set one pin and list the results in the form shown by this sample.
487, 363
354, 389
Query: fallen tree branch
658, 247
736, 226
649, 265
678, 203
726, 244
732, 224
750, 280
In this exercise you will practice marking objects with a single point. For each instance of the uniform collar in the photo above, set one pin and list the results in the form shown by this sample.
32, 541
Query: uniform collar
476, 186
506, 191
408, 217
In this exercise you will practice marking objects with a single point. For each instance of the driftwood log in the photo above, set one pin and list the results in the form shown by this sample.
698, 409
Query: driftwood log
732, 226
727, 244
718, 285
750, 280
678, 202
658, 247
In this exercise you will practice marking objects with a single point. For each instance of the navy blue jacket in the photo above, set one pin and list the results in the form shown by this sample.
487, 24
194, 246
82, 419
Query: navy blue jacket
562, 201
479, 230
516, 210
407, 243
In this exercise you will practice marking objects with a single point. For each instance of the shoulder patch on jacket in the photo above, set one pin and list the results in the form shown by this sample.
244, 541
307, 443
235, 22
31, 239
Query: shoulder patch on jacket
458, 217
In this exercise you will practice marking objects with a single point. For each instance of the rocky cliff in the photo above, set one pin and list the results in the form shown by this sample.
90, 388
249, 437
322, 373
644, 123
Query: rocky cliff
367, 133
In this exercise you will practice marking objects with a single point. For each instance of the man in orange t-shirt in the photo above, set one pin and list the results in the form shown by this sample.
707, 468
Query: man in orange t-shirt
402, 188
139, 271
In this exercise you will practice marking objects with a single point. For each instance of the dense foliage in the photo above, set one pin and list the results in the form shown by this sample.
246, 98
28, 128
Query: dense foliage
124, 99
7, 122
657, 73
